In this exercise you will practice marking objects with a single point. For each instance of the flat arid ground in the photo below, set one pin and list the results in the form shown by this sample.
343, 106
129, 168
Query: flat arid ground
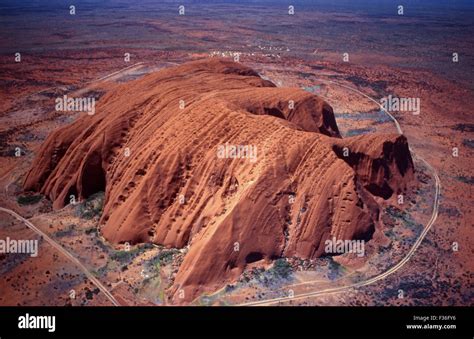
226, 144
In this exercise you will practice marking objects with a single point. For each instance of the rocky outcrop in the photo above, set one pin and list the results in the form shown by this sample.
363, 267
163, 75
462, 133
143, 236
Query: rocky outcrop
382, 162
224, 162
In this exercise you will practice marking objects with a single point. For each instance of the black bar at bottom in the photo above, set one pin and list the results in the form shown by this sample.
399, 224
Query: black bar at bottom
290, 322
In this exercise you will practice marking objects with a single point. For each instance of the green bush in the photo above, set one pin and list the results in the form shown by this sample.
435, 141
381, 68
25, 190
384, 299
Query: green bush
281, 268
123, 256
29, 199
336, 270
92, 206
91, 230
164, 257
466, 180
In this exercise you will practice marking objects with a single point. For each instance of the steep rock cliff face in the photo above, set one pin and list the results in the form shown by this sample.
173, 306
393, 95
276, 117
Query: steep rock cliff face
221, 159
382, 162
